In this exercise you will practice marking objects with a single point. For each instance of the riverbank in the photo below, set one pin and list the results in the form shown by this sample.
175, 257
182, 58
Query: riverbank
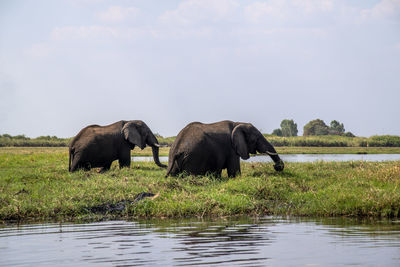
35, 185
165, 150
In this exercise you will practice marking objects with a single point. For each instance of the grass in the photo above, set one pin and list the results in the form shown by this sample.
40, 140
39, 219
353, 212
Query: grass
165, 150
35, 185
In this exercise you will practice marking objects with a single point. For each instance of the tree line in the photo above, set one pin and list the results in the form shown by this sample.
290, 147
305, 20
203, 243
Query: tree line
314, 127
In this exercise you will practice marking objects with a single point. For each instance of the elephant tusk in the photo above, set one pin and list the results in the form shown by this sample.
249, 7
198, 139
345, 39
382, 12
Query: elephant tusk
271, 153
157, 145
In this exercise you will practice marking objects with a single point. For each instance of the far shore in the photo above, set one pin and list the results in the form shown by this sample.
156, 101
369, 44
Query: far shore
281, 150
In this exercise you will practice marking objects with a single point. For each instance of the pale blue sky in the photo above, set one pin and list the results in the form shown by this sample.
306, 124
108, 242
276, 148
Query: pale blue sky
67, 64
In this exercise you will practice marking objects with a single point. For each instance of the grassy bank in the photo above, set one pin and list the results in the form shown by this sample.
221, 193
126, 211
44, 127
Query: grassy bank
165, 150
35, 185
297, 150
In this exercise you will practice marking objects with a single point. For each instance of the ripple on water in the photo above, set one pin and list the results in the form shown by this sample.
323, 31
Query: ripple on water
244, 241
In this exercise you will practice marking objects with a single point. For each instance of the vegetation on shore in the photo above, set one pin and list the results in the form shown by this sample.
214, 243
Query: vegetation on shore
7, 140
163, 152
335, 141
35, 185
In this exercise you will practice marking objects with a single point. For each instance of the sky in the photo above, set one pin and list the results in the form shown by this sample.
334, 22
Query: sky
70, 63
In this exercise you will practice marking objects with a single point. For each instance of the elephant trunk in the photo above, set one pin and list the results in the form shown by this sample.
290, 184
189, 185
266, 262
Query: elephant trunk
263, 146
152, 141
71, 155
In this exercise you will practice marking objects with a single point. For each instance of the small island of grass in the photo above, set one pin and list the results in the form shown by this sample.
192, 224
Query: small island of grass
35, 185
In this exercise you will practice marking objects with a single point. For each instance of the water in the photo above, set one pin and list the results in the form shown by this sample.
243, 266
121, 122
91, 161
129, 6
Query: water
264, 241
307, 157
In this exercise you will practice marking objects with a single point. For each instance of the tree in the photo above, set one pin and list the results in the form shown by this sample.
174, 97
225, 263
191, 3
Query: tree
337, 127
277, 132
315, 127
289, 128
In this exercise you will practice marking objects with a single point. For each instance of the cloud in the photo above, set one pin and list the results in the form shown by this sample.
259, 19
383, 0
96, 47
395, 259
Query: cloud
39, 50
118, 14
279, 11
259, 10
383, 10
96, 32
82, 32
311, 6
193, 11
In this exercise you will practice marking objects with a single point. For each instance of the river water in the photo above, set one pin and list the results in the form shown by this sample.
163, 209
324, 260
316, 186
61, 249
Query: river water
307, 157
267, 241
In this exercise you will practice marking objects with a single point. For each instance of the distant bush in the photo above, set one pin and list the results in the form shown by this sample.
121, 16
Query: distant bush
318, 127
166, 141
22, 140
383, 140
315, 127
335, 141
316, 141
277, 132
288, 128
349, 134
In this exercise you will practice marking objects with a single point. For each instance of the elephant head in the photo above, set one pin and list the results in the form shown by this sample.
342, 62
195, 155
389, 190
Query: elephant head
247, 139
138, 133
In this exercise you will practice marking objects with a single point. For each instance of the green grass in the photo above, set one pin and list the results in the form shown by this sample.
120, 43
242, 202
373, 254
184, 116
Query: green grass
35, 185
165, 150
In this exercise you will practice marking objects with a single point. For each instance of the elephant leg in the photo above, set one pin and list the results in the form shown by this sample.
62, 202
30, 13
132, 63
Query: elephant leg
105, 167
233, 168
86, 166
125, 159
77, 165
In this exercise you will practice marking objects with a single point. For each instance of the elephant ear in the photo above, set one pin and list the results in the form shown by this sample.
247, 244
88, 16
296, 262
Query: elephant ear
132, 135
239, 141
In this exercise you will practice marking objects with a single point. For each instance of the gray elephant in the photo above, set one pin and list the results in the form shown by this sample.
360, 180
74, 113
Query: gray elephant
208, 148
98, 146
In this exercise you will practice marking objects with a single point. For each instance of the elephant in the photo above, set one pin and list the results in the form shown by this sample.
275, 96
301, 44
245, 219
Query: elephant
98, 146
208, 148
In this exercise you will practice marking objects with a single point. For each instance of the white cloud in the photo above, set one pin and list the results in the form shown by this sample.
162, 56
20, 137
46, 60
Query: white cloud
191, 11
118, 14
384, 9
39, 50
260, 10
95, 32
82, 32
284, 10
310, 6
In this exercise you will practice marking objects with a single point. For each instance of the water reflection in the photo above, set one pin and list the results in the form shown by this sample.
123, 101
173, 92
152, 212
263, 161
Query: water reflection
245, 241
307, 157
